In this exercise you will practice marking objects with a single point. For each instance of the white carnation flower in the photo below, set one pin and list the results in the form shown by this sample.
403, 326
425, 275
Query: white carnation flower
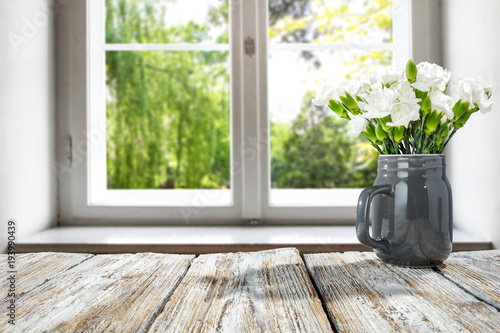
402, 114
405, 93
357, 125
386, 75
488, 91
469, 90
379, 102
406, 108
441, 103
431, 76
356, 87
326, 93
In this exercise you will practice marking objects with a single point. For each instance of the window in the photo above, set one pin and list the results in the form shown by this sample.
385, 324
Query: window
220, 88
163, 103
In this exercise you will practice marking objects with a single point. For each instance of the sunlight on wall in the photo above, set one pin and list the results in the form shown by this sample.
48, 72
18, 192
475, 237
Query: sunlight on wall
27, 117
471, 29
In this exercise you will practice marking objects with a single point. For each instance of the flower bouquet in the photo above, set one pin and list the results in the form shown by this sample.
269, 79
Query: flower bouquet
408, 117
406, 111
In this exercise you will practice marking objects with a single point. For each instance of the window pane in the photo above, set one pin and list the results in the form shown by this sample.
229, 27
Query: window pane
167, 21
167, 119
330, 21
309, 145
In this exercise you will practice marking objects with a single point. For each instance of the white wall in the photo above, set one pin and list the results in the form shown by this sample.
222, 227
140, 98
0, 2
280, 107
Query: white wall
471, 48
427, 41
28, 189
471, 31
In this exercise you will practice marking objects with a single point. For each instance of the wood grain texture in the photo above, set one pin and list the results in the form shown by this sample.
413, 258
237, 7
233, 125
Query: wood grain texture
477, 272
107, 293
33, 269
267, 291
364, 295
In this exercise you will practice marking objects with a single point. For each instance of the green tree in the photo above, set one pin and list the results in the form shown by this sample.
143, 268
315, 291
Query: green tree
167, 112
315, 151
280, 133
318, 154
334, 21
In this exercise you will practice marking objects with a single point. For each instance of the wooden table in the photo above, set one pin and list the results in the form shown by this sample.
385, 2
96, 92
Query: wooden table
267, 291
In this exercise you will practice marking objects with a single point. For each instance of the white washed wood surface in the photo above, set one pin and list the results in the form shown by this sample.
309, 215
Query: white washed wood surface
107, 293
267, 291
477, 272
364, 295
33, 269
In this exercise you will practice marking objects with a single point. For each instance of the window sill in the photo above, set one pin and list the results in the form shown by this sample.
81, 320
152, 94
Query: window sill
197, 240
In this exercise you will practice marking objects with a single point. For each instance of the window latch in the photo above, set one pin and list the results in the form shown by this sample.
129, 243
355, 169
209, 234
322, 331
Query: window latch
249, 46
253, 222
69, 155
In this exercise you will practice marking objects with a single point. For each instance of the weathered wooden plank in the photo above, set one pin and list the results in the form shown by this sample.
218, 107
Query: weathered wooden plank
267, 291
477, 272
107, 293
33, 269
364, 295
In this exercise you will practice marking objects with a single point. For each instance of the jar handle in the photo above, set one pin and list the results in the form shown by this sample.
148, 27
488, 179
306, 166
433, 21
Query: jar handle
363, 217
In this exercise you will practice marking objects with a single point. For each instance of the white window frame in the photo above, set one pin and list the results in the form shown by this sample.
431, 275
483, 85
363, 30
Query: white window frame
321, 205
98, 194
88, 202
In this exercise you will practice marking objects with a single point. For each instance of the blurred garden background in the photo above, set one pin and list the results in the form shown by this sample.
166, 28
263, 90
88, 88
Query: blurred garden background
168, 112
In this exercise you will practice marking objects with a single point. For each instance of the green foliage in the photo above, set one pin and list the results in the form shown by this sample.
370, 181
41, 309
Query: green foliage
317, 154
167, 112
280, 134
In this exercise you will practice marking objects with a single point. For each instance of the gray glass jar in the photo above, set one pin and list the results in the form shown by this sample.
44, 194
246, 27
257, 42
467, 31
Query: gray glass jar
411, 206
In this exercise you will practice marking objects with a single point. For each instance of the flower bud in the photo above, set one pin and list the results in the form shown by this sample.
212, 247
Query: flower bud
462, 114
384, 122
370, 134
460, 109
432, 121
338, 109
349, 101
399, 133
411, 71
380, 133
426, 104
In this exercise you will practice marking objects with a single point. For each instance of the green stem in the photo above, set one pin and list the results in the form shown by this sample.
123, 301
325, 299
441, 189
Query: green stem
421, 134
373, 144
449, 138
